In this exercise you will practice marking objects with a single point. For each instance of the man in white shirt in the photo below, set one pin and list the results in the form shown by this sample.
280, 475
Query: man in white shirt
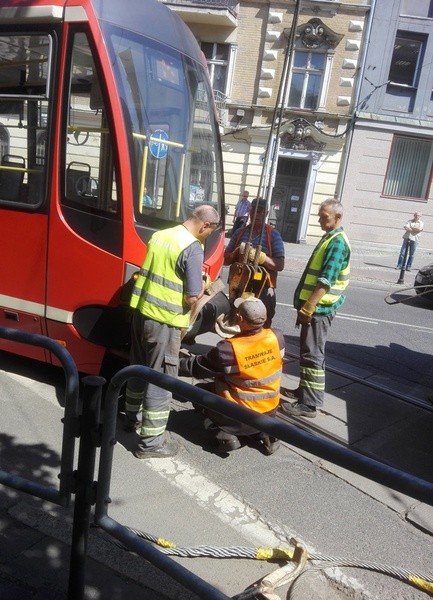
412, 231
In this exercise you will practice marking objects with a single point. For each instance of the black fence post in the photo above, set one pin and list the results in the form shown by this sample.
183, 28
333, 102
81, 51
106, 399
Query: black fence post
84, 484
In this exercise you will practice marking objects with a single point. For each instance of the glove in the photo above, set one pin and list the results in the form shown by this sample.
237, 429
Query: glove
252, 256
305, 314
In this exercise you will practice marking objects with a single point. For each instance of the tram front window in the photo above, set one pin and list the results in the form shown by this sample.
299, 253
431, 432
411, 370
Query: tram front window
172, 131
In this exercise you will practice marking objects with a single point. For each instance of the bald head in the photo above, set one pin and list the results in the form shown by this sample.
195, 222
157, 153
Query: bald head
203, 220
206, 213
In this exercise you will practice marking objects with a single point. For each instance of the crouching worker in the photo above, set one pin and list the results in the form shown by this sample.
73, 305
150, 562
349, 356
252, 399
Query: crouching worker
247, 370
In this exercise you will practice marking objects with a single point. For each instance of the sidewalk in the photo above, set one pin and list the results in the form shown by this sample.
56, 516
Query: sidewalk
34, 537
372, 264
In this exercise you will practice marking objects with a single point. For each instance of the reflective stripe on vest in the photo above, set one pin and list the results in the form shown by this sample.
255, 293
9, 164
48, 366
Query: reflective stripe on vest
315, 269
158, 291
254, 381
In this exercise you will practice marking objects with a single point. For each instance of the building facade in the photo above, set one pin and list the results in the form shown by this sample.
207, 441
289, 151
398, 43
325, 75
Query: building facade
284, 76
386, 176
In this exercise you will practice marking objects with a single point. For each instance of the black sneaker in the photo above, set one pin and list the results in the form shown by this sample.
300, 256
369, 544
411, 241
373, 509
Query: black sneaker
292, 394
167, 449
268, 444
298, 410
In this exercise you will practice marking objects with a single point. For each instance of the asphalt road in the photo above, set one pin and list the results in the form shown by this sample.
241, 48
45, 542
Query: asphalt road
395, 338
286, 493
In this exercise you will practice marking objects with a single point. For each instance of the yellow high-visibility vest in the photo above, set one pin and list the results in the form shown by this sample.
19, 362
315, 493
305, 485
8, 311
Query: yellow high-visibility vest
315, 269
158, 292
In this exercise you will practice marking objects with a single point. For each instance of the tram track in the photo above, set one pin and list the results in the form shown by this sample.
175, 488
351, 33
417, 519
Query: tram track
316, 428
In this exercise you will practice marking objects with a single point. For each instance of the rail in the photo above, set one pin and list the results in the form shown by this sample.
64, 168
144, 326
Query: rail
344, 457
62, 495
99, 430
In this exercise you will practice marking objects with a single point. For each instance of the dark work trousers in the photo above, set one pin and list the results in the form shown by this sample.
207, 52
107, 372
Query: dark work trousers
154, 345
226, 425
312, 360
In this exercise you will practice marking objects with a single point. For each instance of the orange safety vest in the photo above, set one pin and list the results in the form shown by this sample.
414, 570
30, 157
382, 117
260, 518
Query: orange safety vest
254, 380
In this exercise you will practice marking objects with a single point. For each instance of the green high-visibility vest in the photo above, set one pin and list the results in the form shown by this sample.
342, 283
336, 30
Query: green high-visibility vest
158, 292
315, 269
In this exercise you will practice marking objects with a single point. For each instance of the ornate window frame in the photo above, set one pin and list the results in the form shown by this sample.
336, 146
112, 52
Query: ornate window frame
315, 36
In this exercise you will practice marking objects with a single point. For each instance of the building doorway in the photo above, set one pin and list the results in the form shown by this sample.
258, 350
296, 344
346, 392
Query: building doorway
288, 197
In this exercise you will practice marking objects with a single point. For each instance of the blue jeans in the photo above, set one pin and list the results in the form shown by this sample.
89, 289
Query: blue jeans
408, 246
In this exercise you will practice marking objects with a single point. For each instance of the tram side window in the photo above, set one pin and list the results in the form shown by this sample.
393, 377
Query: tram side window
24, 67
89, 170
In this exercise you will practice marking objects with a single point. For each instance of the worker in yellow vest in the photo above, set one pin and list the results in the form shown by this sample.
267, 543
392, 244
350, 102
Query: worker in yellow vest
247, 370
170, 282
317, 298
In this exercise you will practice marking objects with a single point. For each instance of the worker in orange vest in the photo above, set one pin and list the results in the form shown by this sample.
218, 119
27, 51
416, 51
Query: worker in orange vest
247, 370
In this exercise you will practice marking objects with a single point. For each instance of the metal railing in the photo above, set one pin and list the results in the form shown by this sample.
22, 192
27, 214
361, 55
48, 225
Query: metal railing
97, 430
62, 495
344, 457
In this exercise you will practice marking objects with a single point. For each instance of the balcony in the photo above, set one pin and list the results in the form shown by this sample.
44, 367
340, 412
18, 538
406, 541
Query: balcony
210, 12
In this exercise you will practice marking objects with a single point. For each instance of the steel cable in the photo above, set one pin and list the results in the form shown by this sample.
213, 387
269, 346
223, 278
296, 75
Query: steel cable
420, 580
419, 294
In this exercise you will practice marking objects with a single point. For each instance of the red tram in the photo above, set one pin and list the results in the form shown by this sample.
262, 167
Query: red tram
107, 133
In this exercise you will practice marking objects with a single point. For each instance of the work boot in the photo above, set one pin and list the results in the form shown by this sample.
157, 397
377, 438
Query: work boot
228, 443
167, 449
298, 410
291, 394
268, 444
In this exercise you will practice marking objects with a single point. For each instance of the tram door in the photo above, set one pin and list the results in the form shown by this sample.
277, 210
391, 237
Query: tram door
85, 246
288, 197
